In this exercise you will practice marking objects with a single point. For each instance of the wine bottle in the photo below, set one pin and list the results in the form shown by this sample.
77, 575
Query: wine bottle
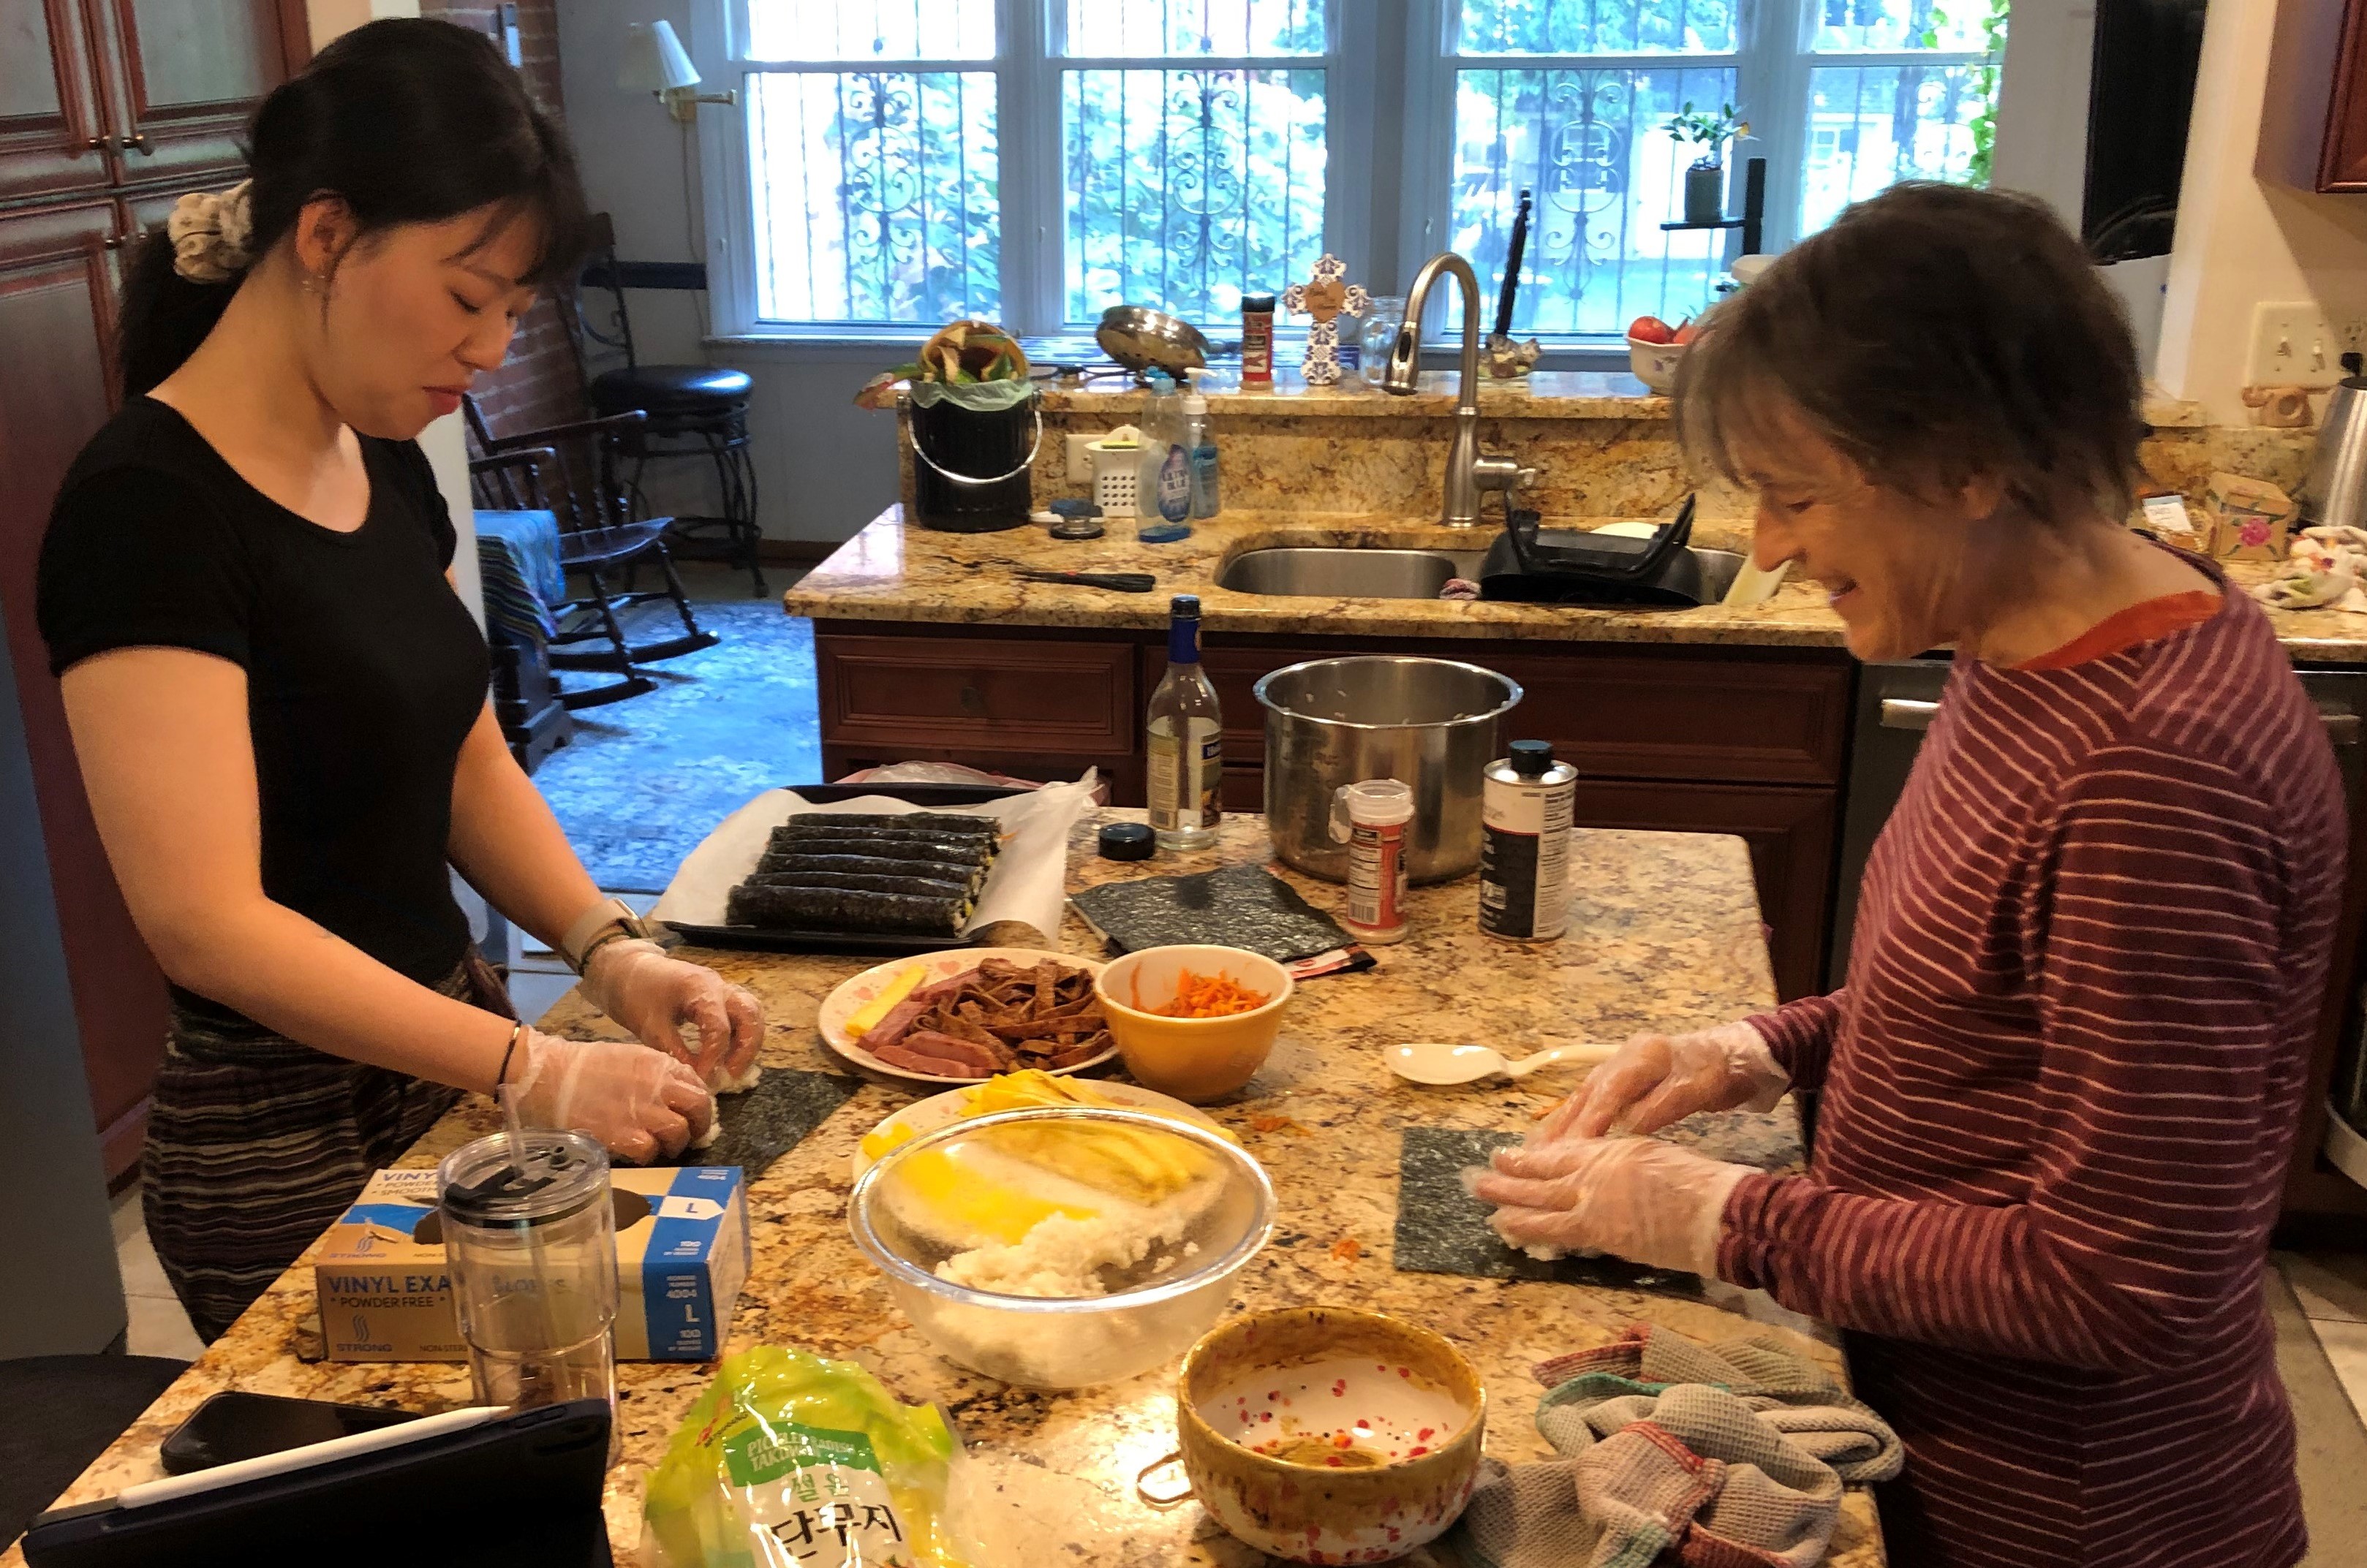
1187, 732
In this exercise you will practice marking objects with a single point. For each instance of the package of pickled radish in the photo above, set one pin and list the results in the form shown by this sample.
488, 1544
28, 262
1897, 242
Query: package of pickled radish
790, 1460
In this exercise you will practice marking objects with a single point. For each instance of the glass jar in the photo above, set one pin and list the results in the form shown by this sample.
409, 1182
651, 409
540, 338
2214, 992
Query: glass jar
1376, 333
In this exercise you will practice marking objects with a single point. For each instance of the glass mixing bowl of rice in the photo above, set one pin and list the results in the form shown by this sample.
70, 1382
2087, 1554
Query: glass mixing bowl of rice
1062, 1248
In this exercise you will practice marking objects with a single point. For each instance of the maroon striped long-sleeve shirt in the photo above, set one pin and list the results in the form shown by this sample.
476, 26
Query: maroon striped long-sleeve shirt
2058, 1094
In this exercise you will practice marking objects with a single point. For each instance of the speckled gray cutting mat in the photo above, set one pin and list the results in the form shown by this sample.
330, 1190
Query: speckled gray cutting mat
770, 1120
1441, 1229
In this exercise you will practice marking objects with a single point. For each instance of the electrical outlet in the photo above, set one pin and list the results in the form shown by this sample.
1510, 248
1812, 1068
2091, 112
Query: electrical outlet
1081, 461
2300, 345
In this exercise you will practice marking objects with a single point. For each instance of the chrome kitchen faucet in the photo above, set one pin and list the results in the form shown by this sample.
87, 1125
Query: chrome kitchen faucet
1468, 470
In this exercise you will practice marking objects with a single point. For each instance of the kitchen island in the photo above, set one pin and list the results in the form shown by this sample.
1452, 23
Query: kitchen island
928, 647
1664, 934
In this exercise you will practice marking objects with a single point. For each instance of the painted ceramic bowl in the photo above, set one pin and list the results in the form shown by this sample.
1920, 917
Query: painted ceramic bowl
1194, 1059
1330, 1435
1655, 364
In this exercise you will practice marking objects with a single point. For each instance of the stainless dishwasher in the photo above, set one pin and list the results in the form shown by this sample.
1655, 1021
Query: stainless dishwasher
1895, 704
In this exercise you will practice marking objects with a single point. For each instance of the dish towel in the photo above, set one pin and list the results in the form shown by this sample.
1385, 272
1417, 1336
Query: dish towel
517, 555
1728, 1456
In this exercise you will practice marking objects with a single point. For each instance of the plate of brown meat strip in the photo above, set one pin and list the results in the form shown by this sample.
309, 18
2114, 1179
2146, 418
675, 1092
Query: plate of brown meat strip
977, 1011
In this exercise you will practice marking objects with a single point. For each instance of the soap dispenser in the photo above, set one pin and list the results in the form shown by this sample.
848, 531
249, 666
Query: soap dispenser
1200, 444
1166, 500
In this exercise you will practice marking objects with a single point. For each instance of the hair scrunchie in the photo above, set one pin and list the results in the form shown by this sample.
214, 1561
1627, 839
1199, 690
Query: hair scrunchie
209, 231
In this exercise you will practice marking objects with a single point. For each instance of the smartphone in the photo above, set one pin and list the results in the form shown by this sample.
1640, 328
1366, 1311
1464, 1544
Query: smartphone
234, 1426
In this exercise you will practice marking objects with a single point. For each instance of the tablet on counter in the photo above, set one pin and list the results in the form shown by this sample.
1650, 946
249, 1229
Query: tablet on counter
481, 1486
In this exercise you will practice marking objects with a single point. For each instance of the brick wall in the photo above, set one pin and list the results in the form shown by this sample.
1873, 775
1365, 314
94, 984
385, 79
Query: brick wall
538, 385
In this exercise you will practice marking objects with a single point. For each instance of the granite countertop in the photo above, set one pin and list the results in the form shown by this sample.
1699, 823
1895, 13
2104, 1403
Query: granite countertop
891, 571
1665, 933
1544, 394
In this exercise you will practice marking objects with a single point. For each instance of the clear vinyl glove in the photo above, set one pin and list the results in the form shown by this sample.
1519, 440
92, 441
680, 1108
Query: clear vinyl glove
635, 983
637, 1102
1639, 1199
1655, 1079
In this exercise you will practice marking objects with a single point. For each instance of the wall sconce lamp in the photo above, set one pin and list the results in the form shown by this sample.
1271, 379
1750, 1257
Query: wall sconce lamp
656, 63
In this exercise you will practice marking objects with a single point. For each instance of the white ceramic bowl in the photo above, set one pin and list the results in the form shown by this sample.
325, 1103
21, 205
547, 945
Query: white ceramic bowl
1655, 364
1156, 1308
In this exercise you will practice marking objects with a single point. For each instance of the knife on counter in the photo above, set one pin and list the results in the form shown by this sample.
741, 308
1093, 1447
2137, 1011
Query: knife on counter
1116, 582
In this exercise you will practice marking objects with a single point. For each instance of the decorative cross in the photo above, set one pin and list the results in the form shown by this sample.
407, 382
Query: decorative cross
1325, 297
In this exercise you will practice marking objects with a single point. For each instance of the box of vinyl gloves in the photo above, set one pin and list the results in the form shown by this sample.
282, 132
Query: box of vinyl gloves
681, 1256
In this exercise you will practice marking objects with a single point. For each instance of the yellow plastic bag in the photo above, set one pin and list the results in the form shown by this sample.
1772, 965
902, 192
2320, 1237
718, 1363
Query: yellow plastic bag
788, 1459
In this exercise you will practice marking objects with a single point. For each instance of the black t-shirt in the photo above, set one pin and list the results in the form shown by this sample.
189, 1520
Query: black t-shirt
364, 670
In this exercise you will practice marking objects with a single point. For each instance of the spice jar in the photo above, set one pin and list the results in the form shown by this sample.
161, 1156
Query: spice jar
1257, 341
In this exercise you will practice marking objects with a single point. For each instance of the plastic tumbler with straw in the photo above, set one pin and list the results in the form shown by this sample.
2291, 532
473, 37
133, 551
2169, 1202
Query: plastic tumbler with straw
531, 1235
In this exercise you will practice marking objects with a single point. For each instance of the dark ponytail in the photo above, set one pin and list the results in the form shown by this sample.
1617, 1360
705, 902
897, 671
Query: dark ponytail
409, 121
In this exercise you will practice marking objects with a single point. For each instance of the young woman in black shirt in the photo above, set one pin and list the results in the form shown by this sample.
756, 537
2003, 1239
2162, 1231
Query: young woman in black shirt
280, 704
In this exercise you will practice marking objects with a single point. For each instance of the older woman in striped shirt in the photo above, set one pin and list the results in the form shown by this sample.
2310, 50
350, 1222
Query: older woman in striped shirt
2060, 1086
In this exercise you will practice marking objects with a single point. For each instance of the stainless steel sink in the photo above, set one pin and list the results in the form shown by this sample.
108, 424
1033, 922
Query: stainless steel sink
1334, 572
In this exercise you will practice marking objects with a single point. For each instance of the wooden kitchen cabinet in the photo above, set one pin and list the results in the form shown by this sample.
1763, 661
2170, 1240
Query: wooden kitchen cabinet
52, 127
125, 93
1685, 739
2314, 125
182, 77
109, 110
57, 312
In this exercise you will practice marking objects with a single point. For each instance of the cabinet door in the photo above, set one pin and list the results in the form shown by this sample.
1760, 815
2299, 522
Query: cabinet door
2342, 164
57, 318
984, 696
182, 77
51, 136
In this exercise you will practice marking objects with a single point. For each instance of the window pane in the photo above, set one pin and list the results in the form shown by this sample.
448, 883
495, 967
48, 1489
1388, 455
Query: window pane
1597, 27
1953, 25
1188, 189
871, 29
1120, 29
1869, 126
1605, 176
875, 195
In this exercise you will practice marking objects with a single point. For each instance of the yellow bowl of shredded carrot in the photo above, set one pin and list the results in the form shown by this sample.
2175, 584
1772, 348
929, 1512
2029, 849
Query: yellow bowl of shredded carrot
1194, 1021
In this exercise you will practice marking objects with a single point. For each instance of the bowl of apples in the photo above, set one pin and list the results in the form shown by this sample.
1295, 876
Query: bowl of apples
1654, 347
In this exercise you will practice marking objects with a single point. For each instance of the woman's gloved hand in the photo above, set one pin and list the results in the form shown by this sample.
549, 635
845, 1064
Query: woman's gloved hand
1655, 1079
1635, 1198
637, 1102
635, 983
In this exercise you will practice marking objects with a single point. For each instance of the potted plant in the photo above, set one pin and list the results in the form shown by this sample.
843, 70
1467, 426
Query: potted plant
1705, 178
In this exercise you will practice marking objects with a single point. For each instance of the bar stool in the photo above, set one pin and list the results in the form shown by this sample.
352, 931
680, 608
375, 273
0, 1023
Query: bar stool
698, 412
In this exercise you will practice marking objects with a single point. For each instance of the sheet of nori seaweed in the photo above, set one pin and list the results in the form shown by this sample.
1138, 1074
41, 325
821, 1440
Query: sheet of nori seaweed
770, 1120
788, 904
1241, 906
1441, 1229
940, 822
776, 867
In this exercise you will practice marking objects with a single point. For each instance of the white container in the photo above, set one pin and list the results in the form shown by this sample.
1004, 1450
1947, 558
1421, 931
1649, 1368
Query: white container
1118, 472
1370, 818
1655, 364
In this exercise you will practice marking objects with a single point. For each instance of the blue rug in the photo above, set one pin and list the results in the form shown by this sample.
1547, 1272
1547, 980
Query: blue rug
644, 780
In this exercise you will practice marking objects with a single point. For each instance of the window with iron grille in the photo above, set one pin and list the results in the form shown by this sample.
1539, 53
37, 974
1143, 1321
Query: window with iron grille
1033, 162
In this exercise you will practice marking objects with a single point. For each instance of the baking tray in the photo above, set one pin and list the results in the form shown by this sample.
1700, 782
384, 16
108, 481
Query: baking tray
772, 938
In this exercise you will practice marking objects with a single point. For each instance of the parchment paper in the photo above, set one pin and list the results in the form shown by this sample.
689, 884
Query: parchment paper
1028, 882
